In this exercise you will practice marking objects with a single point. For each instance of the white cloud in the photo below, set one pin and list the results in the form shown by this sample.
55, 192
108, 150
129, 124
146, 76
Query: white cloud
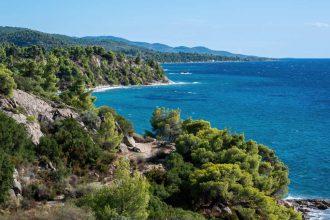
319, 25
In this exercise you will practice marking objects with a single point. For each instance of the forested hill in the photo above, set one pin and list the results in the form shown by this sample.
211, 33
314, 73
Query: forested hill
28, 37
168, 49
73, 70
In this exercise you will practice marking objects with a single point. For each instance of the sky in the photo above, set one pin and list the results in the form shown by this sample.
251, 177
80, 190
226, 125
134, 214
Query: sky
272, 28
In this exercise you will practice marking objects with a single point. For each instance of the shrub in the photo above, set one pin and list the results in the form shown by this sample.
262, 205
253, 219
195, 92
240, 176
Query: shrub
108, 135
14, 140
166, 124
125, 126
6, 176
160, 210
91, 119
71, 145
126, 197
31, 118
7, 83
213, 168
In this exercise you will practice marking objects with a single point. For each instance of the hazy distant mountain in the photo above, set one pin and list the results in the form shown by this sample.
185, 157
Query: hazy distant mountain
168, 49
156, 51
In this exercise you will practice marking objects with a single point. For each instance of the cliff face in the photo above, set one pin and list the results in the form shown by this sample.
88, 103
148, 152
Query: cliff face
33, 112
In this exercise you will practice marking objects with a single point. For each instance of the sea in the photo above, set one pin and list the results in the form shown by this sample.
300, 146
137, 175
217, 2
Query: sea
283, 104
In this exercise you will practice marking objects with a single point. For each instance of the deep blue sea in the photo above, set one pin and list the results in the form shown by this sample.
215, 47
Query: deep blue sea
283, 104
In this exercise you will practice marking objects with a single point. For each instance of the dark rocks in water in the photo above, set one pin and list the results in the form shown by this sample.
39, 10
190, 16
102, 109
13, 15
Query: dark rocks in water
305, 206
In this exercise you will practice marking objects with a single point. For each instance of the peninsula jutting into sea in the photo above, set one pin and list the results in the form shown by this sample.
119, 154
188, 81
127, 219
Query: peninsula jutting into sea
101, 117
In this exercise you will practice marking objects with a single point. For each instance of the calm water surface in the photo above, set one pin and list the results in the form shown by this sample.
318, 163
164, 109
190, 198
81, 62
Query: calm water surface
283, 104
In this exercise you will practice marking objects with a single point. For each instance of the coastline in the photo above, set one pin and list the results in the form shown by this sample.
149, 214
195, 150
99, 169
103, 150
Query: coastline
102, 88
310, 208
220, 61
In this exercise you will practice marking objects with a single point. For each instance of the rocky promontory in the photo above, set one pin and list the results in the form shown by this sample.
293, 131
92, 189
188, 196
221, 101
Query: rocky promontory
310, 208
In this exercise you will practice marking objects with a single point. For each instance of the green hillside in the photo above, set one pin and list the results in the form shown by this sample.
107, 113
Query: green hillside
159, 52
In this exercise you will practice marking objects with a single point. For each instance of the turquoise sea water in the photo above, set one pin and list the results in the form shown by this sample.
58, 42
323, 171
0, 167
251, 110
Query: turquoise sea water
283, 104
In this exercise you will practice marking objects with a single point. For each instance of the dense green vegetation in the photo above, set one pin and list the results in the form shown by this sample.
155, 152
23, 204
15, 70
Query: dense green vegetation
26, 37
15, 148
6, 81
214, 170
71, 71
211, 174
127, 196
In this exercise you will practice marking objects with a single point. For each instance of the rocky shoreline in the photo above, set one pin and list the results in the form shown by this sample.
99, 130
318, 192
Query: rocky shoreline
310, 208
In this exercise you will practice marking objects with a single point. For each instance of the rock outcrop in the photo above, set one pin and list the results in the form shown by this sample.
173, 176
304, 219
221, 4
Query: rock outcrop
30, 110
309, 207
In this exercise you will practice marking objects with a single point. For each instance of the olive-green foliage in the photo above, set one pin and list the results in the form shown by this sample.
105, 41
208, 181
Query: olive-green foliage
6, 175
127, 197
7, 83
70, 144
160, 210
78, 96
124, 126
108, 135
14, 140
166, 124
215, 168
73, 70
227, 183
15, 148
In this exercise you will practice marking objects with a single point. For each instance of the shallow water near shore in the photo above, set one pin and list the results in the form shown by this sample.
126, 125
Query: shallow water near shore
283, 104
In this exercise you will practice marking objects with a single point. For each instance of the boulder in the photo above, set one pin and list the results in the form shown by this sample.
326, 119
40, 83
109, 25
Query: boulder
12, 194
228, 210
15, 174
129, 141
216, 212
17, 187
123, 148
64, 113
149, 139
157, 167
138, 138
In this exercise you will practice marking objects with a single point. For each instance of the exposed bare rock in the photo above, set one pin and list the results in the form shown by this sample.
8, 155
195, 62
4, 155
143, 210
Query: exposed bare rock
30, 110
150, 139
138, 138
17, 187
31, 103
64, 113
228, 210
310, 208
129, 141
158, 167
123, 148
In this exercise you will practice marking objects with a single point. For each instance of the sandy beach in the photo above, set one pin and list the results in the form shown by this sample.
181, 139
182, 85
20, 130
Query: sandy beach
103, 88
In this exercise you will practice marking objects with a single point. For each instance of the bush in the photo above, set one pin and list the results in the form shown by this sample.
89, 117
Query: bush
7, 83
126, 197
108, 135
160, 210
71, 145
6, 176
31, 118
14, 140
125, 126
91, 119
166, 124
213, 168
